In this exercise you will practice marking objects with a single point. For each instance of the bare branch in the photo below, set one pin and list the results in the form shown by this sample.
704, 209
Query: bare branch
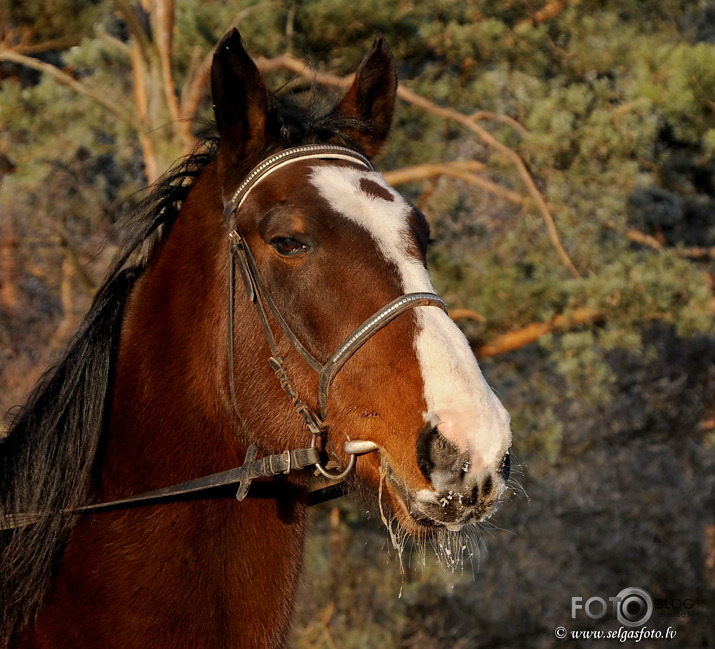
302, 69
84, 281
69, 318
195, 86
519, 338
78, 87
287, 61
261, 7
496, 117
461, 169
197, 79
429, 170
635, 235
290, 27
511, 155
141, 106
19, 39
548, 12
138, 31
37, 48
8, 265
466, 314
165, 47
693, 252
117, 44
697, 252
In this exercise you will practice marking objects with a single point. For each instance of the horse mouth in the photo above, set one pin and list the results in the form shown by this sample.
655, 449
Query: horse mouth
425, 512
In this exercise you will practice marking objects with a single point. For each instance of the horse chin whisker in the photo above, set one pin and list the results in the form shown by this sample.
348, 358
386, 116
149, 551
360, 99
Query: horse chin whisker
398, 535
453, 550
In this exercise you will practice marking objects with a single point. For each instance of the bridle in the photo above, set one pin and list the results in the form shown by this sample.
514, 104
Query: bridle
258, 293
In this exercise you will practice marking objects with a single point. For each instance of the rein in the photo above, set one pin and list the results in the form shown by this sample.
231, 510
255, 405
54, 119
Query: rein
258, 293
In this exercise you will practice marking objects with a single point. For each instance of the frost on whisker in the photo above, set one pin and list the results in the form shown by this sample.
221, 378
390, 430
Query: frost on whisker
513, 484
453, 549
398, 536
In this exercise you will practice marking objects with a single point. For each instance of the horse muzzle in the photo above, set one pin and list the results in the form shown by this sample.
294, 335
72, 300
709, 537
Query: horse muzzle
457, 495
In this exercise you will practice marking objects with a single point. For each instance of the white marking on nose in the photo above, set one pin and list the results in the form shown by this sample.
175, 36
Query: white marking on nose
459, 401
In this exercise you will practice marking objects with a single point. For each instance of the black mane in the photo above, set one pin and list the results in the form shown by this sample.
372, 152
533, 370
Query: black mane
293, 124
48, 462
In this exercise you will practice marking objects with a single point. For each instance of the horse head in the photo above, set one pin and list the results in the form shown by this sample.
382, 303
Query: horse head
325, 244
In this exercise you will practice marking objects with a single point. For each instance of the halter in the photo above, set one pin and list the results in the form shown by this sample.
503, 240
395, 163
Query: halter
258, 293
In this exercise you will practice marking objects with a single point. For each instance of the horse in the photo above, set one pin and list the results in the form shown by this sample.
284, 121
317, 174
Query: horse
270, 318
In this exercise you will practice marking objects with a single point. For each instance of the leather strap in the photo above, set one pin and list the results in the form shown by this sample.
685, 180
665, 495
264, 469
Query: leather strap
282, 158
366, 331
242, 476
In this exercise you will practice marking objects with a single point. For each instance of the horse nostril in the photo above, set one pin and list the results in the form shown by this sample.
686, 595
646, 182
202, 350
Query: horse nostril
505, 468
436, 453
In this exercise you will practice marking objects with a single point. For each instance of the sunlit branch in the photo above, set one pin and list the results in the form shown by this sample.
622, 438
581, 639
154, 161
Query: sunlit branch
77, 86
289, 62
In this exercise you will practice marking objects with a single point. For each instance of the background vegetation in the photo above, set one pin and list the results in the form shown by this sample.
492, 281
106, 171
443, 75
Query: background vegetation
564, 152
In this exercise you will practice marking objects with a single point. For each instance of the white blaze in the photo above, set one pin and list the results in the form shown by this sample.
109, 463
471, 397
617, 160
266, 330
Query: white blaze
458, 399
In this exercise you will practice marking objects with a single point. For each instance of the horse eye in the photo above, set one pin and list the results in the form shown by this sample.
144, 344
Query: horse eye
287, 246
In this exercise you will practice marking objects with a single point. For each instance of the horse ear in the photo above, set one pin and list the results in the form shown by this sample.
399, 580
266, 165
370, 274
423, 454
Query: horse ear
370, 103
240, 99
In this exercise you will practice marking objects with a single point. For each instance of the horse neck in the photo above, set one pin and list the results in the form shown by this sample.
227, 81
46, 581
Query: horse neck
168, 420
172, 420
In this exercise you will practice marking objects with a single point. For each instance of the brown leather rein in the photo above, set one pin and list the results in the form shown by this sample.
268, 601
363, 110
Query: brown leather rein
257, 292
